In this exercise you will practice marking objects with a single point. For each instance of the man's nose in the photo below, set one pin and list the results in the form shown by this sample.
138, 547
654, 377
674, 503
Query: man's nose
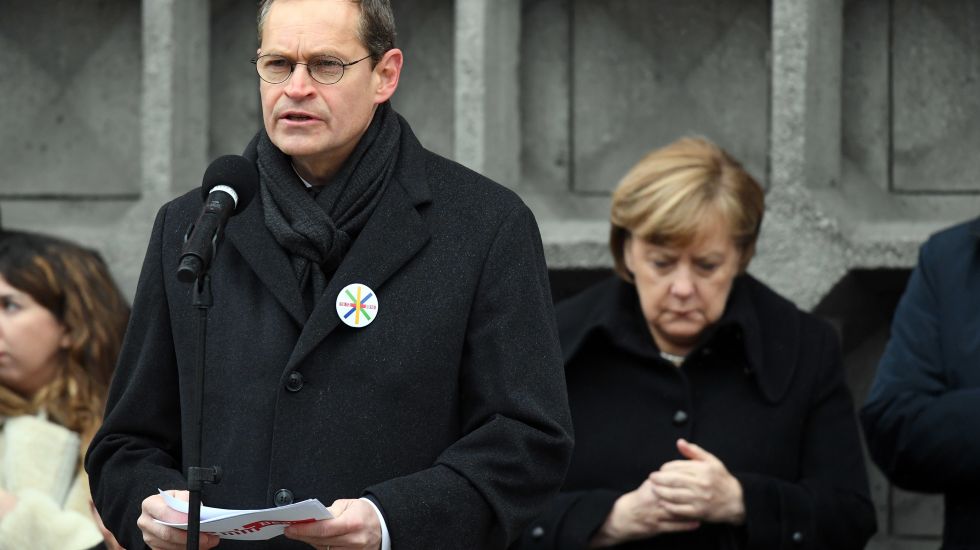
300, 83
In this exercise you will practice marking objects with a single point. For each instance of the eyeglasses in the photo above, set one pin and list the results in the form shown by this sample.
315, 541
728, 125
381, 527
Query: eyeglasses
325, 69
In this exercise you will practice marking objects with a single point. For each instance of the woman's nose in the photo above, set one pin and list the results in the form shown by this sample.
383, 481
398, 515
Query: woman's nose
682, 285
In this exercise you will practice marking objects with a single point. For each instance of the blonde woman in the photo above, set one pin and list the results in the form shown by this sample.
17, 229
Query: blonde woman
62, 320
709, 412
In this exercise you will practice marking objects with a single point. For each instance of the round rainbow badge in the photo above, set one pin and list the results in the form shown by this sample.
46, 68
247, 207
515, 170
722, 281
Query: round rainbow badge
357, 305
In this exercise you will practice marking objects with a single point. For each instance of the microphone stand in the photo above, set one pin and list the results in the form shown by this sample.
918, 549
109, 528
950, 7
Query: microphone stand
197, 476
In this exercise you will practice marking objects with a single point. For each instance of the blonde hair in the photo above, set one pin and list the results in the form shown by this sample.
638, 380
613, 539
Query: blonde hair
74, 284
670, 194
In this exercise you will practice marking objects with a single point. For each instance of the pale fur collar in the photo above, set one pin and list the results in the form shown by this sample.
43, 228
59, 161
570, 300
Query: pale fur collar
37, 454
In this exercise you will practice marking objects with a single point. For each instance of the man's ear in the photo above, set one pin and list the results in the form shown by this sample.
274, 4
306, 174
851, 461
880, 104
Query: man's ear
386, 74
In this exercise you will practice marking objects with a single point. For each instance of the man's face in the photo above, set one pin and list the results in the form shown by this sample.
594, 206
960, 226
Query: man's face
319, 124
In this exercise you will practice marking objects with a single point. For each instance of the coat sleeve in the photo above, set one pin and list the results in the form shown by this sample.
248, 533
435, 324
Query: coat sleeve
829, 506
570, 521
130, 457
911, 405
516, 429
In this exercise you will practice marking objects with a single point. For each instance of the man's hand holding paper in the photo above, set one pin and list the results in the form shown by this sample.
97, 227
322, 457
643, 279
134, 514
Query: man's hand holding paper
355, 525
159, 536
164, 522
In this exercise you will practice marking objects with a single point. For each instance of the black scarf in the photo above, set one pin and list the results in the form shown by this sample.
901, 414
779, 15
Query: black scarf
316, 231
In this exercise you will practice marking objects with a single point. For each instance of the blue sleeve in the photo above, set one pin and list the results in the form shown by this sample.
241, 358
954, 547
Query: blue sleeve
914, 419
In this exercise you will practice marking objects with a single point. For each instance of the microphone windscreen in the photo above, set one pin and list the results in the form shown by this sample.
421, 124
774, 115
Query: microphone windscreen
236, 172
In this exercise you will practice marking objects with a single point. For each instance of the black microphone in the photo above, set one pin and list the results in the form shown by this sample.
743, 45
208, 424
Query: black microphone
230, 183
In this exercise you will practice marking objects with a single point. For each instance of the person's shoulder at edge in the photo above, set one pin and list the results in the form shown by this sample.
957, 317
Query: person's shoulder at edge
454, 184
590, 300
580, 315
187, 203
962, 234
771, 307
782, 326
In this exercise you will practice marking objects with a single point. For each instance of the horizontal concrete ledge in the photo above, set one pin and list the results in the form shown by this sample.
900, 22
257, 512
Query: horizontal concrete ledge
576, 244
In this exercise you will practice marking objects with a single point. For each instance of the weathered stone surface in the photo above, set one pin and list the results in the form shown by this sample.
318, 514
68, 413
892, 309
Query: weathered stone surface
860, 117
70, 85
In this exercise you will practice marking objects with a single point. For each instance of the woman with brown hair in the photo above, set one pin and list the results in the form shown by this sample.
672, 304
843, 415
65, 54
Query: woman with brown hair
62, 320
709, 412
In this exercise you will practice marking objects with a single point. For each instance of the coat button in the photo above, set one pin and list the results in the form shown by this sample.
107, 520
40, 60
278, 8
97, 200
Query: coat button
797, 537
283, 497
537, 532
295, 382
680, 417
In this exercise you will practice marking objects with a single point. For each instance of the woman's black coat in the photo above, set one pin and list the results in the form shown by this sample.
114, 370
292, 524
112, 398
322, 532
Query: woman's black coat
763, 391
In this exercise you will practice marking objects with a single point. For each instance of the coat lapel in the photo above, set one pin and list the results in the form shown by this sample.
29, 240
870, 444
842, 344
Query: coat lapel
267, 259
394, 234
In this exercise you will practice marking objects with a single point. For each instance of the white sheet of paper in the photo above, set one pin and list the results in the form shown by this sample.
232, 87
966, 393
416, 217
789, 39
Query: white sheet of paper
250, 524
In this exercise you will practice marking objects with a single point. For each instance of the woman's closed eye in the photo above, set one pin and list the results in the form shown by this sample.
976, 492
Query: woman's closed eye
707, 267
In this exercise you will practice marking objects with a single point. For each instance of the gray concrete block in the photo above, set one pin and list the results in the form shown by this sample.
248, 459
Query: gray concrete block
426, 91
235, 112
485, 106
645, 73
936, 60
865, 103
70, 87
545, 98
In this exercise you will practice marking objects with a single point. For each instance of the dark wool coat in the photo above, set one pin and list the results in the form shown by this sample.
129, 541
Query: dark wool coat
763, 391
922, 416
449, 409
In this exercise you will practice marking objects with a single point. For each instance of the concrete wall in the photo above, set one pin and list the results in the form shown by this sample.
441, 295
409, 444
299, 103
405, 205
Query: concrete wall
860, 116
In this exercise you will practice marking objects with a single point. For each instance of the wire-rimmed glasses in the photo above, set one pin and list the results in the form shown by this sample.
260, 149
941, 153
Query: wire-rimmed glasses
325, 69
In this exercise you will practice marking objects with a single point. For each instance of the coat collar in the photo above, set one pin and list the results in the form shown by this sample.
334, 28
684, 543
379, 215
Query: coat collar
392, 236
38, 454
762, 325
975, 229
248, 233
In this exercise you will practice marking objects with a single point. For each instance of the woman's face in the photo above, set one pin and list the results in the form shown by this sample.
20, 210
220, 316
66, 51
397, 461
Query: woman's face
31, 339
683, 290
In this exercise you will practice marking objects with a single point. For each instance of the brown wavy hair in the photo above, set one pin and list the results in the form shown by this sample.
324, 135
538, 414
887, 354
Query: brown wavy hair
74, 284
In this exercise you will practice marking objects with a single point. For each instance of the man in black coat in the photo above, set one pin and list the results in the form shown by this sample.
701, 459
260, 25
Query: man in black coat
383, 340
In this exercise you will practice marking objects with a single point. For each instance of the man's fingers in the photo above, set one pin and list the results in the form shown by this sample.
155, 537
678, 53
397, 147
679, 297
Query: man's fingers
156, 507
339, 506
322, 529
164, 537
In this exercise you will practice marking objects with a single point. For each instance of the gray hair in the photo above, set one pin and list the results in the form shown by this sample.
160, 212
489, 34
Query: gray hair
376, 30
